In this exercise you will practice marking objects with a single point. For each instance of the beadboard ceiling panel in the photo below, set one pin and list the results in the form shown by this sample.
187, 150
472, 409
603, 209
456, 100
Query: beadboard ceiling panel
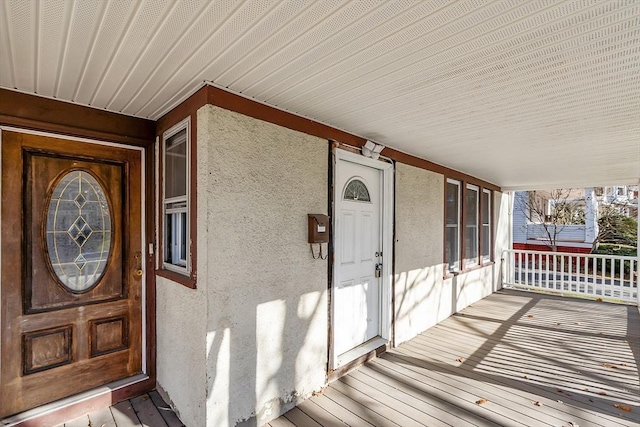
524, 94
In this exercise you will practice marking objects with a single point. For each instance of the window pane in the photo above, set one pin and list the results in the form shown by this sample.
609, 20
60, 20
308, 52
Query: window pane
486, 225
168, 238
175, 245
357, 190
452, 249
486, 242
182, 236
452, 203
452, 228
471, 226
175, 155
78, 231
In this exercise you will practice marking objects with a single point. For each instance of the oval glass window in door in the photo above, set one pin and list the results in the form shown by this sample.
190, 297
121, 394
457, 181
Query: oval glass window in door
78, 230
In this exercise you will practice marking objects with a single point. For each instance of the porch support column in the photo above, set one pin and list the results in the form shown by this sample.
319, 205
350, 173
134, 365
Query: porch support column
591, 216
638, 248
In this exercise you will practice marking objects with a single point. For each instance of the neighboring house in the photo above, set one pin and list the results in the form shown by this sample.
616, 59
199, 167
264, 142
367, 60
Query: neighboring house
532, 231
624, 198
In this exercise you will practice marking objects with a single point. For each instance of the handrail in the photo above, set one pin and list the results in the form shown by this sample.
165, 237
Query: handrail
610, 277
626, 258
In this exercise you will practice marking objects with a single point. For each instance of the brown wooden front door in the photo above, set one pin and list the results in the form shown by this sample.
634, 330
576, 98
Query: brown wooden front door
71, 294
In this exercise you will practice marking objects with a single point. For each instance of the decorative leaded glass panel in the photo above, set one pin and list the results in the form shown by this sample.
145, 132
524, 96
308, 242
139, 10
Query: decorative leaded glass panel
78, 230
356, 190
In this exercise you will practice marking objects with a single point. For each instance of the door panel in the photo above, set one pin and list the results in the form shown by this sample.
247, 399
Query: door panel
367, 234
357, 310
43, 290
71, 243
348, 230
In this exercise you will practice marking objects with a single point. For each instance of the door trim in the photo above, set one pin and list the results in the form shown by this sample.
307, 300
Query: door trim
386, 299
78, 404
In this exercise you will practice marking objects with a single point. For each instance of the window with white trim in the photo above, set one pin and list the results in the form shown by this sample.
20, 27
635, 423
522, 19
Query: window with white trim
452, 225
175, 198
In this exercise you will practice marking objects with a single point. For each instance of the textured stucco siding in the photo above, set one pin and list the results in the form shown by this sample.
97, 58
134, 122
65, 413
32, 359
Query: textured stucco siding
181, 364
267, 298
422, 296
418, 251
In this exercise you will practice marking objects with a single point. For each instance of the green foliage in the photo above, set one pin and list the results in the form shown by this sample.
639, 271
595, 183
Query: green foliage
618, 250
613, 249
616, 228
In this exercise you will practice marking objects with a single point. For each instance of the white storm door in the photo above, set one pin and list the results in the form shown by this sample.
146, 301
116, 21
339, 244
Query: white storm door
358, 243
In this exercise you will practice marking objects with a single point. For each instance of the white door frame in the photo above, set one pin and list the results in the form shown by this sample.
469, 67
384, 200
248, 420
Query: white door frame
386, 213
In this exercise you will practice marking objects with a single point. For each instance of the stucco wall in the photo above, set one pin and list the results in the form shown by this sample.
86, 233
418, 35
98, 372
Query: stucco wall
181, 364
251, 341
267, 298
418, 251
422, 296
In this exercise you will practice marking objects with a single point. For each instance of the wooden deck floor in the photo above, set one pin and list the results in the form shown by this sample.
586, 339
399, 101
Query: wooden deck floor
148, 410
512, 359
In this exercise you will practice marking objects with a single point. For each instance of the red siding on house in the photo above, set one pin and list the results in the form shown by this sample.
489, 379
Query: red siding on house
543, 248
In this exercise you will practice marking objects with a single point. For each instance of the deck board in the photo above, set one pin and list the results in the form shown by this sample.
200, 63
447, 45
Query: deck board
385, 410
147, 410
82, 421
552, 398
363, 411
537, 360
102, 418
388, 396
343, 414
299, 418
124, 415
281, 422
165, 410
431, 404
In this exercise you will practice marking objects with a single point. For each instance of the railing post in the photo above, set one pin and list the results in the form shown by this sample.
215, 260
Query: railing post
562, 273
547, 269
555, 272
594, 272
570, 260
604, 290
613, 276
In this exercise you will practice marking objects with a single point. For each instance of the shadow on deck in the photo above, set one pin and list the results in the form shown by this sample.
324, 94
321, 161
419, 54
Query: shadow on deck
148, 410
514, 358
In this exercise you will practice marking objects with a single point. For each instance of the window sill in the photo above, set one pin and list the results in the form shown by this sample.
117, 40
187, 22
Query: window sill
449, 275
177, 277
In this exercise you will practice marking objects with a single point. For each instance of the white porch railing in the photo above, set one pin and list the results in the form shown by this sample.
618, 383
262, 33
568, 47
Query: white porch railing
600, 276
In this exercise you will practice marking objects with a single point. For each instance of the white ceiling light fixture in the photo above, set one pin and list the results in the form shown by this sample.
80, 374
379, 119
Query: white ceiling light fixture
371, 149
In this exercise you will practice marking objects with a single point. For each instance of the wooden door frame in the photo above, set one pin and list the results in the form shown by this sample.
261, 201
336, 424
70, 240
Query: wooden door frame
386, 213
84, 402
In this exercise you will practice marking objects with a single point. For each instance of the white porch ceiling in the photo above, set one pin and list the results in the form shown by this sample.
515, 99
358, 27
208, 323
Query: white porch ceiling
524, 94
